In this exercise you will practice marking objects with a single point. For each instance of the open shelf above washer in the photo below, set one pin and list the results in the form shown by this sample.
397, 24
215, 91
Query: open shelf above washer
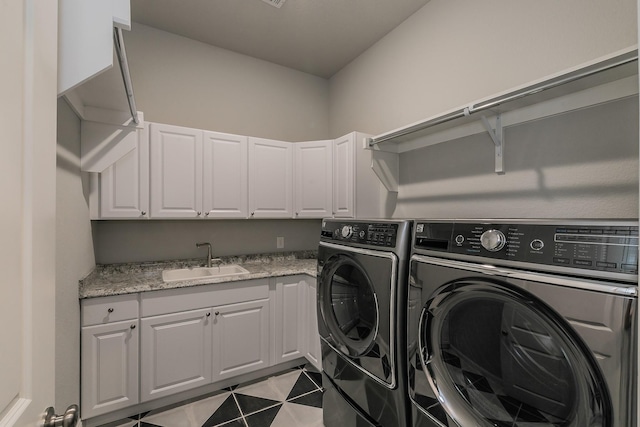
604, 80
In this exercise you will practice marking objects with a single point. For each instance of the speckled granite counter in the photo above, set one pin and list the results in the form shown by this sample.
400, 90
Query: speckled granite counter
118, 279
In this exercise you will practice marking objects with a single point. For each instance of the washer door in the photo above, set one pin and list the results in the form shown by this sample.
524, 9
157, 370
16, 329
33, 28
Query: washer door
495, 355
348, 305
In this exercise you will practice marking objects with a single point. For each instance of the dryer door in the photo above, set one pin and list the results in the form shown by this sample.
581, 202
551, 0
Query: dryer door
356, 290
495, 355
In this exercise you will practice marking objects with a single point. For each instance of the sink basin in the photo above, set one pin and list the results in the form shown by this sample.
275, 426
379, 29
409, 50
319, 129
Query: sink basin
202, 273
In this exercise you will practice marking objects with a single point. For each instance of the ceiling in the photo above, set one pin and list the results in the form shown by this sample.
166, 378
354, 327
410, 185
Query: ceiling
318, 37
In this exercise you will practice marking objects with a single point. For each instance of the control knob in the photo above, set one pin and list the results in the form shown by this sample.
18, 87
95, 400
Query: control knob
347, 231
493, 240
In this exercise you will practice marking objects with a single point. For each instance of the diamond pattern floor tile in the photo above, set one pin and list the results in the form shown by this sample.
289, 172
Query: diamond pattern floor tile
302, 386
292, 398
250, 404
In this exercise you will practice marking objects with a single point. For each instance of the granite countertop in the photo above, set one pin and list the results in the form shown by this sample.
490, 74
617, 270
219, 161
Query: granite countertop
119, 279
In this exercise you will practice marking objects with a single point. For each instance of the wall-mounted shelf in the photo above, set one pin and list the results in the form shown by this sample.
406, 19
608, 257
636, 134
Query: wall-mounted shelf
604, 80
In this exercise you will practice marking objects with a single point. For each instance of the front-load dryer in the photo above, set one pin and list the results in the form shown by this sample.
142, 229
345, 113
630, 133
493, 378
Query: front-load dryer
362, 267
523, 323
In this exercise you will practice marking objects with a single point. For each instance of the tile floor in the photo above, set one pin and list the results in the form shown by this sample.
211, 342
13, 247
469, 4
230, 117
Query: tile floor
292, 398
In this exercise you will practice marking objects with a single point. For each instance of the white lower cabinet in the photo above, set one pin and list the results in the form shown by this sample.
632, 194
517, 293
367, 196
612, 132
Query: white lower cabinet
290, 331
312, 336
175, 353
240, 338
141, 347
109, 367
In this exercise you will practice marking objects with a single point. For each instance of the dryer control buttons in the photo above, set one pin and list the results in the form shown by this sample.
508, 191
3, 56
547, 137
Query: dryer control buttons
536, 244
347, 231
493, 240
459, 239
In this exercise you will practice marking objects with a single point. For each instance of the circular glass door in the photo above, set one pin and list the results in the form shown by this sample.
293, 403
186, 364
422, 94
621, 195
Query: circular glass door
348, 305
497, 356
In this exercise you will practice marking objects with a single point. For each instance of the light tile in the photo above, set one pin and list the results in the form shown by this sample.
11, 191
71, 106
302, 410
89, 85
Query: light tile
176, 417
274, 388
203, 409
298, 415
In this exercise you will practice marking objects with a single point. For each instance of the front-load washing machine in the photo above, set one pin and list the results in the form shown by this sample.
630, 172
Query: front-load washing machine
523, 323
362, 266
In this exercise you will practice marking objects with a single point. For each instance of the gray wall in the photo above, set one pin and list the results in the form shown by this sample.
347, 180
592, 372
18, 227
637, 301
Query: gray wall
184, 82
453, 52
132, 241
74, 254
578, 165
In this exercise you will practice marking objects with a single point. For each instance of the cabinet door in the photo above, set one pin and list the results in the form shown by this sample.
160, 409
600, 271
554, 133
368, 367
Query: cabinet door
313, 179
225, 175
314, 355
175, 353
124, 186
176, 172
240, 338
109, 367
291, 319
343, 177
270, 178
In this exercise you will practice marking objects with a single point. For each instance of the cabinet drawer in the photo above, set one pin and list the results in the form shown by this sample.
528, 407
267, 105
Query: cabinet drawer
191, 298
96, 311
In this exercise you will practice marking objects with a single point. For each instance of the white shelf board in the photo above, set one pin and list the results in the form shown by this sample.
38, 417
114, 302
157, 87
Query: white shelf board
570, 90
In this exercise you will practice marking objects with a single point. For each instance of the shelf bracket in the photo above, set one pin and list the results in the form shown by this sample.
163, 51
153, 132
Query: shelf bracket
497, 137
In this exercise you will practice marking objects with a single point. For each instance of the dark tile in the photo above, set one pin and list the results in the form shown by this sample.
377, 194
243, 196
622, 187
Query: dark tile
234, 423
302, 386
226, 412
143, 414
251, 404
143, 424
312, 399
316, 377
231, 388
263, 418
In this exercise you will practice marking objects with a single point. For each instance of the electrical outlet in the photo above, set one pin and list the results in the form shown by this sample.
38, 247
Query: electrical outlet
279, 242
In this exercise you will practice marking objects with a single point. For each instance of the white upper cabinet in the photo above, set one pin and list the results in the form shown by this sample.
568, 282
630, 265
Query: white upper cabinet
270, 178
313, 179
344, 176
124, 186
176, 172
85, 38
225, 175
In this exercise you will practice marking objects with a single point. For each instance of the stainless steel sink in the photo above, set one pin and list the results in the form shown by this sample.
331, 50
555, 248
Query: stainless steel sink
203, 273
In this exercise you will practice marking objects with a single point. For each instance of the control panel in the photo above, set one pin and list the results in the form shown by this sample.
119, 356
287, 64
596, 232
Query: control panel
608, 246
364, 233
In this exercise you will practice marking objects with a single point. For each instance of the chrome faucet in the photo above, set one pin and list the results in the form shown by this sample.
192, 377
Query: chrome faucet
209, 259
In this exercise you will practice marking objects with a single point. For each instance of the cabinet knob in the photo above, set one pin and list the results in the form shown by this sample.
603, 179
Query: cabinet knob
143, 213
206, 214
110, 310
132, 326
297, 214
217, 313
199, 213
208, 314
253, 213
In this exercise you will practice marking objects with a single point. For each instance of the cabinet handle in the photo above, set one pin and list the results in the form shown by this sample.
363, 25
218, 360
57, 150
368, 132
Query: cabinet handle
132, 326
253, 213
217, 313
297, 214
110, 310
206, 214
208, 314
199, 213
143, 213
